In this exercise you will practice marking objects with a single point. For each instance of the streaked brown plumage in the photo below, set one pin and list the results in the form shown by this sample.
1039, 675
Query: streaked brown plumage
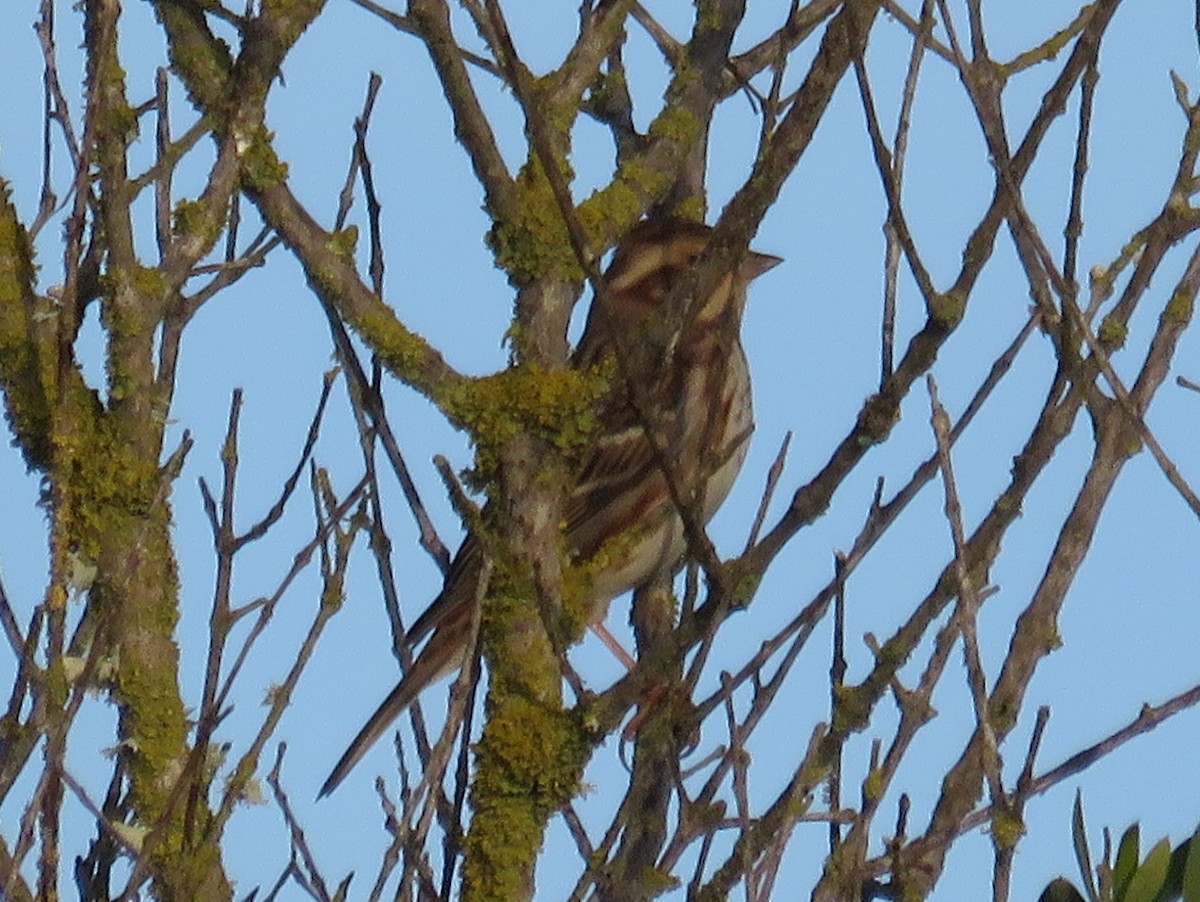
697, 391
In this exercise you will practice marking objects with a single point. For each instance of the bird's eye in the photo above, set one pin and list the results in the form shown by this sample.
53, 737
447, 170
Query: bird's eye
657, 285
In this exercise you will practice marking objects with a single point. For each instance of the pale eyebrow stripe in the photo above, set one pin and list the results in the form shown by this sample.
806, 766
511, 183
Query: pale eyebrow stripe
641, 264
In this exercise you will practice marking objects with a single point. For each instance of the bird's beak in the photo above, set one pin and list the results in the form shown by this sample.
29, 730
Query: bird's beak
756, 264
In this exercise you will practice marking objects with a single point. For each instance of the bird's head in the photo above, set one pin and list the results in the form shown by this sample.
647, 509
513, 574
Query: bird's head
651, 260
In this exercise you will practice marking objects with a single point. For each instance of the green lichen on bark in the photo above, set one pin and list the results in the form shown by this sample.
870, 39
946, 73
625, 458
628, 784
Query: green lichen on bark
534, 242
947, 309
202, 60
1002, 714
133, 298
637, 184
193, 219
676, 123
741, 579
579, 574
1179, 308
143, 604
106, 478
530, 239
261, 166
874, 785
851, 709
402, 352
1112, 332
559, 407
291, 18
619, 205
529, 761
112, 510
26, 370
344, 241
1007, 828
876, 419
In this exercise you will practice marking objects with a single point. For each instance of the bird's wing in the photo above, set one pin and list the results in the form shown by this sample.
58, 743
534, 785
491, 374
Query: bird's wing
458, 590
620, 482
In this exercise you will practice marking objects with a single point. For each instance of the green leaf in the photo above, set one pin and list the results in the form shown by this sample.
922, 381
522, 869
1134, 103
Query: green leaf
1191, 871
1082, 855
1127, 860
1149, 878
1174, 880
1060, 890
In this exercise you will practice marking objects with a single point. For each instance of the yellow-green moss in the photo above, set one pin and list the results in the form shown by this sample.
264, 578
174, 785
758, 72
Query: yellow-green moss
122, 120
711, 17
611, 210
198, 874
25, 371
893, 654
529, 763
510, 600
851, 709
202, 60
344, 242
1112, 332
118, 120
261, 166
242, 774
108, 479
1048, 49
608, 84
16, 256
692, 207
1179, 308
577, 579
1131, 442
56, 684
873, 786
153, 715
137, 594
1007, 828
132, 294
333, 594
194, 219
947, 308
636, 185
655, 881
401, 351
559, 407
291, 17
534, 243
149, 282
742, 579
676, 124
132, 297
579, 576
648, 181
1003, 715
878, 416
558, 118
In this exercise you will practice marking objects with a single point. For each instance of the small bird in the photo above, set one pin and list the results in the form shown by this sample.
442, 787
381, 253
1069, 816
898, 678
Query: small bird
697, 391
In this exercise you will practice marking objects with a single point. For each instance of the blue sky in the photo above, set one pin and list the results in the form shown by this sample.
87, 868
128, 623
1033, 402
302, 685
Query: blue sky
1130, 625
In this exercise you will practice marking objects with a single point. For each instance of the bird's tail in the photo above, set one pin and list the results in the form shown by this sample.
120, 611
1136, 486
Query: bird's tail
424, 671
448, 624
